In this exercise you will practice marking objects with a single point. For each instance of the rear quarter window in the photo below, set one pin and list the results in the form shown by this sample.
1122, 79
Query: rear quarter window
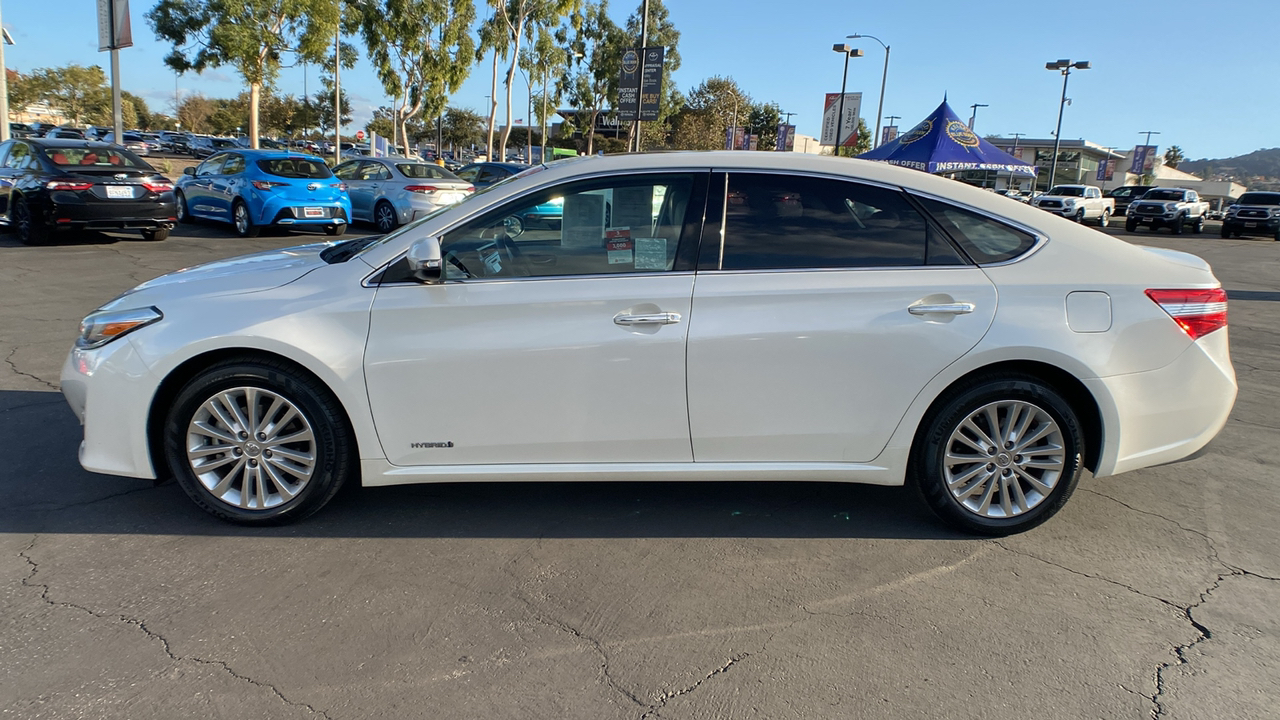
985, 239
295, 167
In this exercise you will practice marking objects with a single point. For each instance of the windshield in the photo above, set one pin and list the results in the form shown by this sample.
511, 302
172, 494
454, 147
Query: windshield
1067, 191
1163, 195
295, 167
95, 158
420, 170
1256, 198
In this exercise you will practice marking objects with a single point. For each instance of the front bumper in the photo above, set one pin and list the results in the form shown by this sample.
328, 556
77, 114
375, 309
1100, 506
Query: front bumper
1252, 226
1166, 415
113, 380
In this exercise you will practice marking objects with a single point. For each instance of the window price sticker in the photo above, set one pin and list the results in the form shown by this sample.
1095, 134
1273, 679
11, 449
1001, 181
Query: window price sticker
618, 243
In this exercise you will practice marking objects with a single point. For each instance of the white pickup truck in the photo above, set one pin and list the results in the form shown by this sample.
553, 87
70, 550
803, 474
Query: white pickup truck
1168, 207
1077, 202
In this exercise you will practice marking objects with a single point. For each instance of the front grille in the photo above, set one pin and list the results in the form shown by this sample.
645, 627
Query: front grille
1051, 203
1149, 209
1252, 213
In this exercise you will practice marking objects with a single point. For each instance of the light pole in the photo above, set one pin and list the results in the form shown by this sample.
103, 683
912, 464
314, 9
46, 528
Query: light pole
888, 125
848, 52
337, 91
1148, 133
1016, 138
883, 78
4, 87
1064, 66
973, 118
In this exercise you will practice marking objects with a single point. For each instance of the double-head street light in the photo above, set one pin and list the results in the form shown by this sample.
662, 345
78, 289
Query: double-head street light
974, 117
848, 52
875, 141
1065, 67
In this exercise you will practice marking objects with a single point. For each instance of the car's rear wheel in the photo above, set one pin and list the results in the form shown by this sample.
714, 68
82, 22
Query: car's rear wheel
384, 217
1105, 219
157, 234
1198, 226
180, 203
28, 227
998, 455
243, 223
255, 442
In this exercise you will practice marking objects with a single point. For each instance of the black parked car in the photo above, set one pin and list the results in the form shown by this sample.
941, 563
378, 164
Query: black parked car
484, 174
1124, 196
49, 185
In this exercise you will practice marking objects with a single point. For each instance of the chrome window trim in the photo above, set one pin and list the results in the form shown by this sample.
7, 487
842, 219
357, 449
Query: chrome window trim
1041, 238
535, 278
589, 176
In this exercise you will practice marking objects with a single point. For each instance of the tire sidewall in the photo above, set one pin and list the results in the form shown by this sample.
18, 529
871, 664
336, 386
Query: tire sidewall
377, 217
936, 429
334, 446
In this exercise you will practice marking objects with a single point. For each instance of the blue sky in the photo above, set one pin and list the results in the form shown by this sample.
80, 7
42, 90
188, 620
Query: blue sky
1205, 75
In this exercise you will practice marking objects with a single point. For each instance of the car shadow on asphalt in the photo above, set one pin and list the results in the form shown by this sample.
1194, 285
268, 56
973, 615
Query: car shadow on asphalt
1254, 295
46, 491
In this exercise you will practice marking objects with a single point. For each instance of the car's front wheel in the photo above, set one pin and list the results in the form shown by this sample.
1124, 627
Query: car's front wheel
256, 442
384, 216
1130, 225
180, 207
999, 455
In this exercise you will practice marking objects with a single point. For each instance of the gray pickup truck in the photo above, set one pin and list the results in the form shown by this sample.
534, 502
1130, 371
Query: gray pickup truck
1168, 207
1255, 213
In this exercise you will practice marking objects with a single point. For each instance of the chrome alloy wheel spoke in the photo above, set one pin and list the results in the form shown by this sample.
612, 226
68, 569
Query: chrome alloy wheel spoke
1020, 458
251, 448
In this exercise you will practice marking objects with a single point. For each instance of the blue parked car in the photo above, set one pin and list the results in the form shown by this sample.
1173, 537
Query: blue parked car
253, 189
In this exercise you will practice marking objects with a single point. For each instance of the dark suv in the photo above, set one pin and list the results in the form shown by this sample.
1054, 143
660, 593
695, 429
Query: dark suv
1126, 195
1255, 213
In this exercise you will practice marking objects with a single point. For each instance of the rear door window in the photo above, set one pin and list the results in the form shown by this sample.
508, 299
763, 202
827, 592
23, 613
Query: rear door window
234, 164
985, 239
295, 167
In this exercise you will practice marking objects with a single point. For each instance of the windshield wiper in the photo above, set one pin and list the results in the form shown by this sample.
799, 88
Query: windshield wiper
343, 252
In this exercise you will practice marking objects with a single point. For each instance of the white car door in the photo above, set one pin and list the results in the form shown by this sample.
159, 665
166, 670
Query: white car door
833, 305
564, 345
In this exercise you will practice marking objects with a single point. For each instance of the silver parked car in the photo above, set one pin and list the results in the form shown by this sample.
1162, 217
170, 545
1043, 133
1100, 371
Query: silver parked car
389, 192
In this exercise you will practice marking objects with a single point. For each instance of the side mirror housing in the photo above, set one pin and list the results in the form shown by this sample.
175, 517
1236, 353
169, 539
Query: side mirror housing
424, 260
189, 171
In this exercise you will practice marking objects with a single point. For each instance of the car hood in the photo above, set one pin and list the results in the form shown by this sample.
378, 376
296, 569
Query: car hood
233, 276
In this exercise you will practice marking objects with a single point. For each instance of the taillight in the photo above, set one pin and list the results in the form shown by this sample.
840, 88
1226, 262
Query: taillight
267, 184
68, 185
158, 187
470, 188
340, 186
421, 188
1198, 312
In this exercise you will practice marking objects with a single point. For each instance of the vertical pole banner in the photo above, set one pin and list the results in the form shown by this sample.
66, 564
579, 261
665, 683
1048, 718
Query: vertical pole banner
848, 125
1144, 159
888, 134
784, 134
114, 28
651, 83
629, 86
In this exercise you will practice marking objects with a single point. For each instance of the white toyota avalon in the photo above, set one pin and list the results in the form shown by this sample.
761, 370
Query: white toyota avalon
692, 316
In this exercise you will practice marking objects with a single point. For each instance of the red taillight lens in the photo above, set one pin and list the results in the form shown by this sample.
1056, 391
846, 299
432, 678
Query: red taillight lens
158, 187
65, 185
421, 188
1198, 312
470, 188
340, 186
267, 184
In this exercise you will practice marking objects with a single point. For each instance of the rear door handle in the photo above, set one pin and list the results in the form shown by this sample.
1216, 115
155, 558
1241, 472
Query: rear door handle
667, 318
963, 308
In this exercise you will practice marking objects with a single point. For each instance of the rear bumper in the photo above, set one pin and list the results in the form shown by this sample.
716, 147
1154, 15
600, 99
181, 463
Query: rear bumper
1166, 415
125, 216
335, 214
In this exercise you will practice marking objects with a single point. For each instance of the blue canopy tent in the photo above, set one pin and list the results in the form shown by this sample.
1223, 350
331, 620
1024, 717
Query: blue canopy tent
943, 143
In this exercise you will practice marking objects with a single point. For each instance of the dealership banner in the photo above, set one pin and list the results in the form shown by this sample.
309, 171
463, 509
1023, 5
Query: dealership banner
114, 30
786, 138
888, 134
1144, 159
848, 125
1106, 170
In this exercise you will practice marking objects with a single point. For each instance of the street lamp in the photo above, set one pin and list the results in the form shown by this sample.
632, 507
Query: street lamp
848, 52
1064, 66
974, 117
883, 77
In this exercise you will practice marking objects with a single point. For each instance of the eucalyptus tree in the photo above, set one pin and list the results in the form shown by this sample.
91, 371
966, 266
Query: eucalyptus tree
661, 32
253, 36
421, 51
595, 65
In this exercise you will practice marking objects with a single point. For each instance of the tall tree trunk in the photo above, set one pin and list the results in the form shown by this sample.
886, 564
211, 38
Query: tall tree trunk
493, 107
591, 134
511, 79
255, 96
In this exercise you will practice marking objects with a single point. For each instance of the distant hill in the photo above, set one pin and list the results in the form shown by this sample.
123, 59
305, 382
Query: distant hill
1264, 163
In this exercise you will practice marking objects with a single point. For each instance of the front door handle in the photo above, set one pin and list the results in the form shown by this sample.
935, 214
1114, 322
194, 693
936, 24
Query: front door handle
962, 308
667, 318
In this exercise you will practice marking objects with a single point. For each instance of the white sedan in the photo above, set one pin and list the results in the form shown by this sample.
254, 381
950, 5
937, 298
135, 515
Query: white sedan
699, 316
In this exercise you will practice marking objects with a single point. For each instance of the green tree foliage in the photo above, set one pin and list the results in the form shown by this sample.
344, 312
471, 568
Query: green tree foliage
80, 92
763, 122
595, 66
25, 89
250, 35
140, 113
708, 113
383, 122
194, 112
514, 23
1173, 157
420, 50
322, 102
539, 59
462, 128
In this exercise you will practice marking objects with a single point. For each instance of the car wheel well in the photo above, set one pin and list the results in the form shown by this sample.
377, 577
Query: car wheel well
173, 383
1066, 384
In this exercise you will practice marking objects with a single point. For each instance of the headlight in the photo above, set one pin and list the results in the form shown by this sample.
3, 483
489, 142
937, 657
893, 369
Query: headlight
100, 328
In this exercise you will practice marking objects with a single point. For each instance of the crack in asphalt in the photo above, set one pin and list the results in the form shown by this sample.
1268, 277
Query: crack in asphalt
29, 581
9, 360
51, 401
49, 507
668, 696
599, 648
1180, 651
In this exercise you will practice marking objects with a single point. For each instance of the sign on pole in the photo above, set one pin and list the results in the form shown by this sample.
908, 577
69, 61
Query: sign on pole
1144, 159
114, 30
629, 86
640, 84
888, 134
1106, 170
848, 125
359, 134
786, 138
651, 83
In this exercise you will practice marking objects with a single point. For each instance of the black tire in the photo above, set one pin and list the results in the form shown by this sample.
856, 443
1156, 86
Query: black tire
1080, 216
157, 234
180, 207
29, 229
335, 230
242, 220
384, 217
1178, 224
1198, 226
1105, 218
1130, 225
1226, 231
333, 449
927, 467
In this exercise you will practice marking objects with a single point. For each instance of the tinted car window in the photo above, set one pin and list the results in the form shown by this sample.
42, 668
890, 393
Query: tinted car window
469, 173
492, 174
1257, 198
212, 166
19, 157
788, 222
234, 164
1163, 195
114, 157
985, 240
295, 167
420, 171
372, 171
346, 171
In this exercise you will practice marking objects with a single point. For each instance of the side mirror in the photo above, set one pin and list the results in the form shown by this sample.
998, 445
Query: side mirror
424, 260
189, 171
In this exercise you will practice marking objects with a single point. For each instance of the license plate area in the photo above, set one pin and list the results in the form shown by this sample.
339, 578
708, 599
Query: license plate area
1251, 224
117, 192
314, 212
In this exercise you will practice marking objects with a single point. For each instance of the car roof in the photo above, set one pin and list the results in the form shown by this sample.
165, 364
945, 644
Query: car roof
271, 153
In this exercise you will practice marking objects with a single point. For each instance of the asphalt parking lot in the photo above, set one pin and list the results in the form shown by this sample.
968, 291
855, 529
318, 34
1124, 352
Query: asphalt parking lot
1155, 593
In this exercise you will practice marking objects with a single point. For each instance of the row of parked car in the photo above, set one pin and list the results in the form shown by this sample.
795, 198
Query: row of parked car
51, 184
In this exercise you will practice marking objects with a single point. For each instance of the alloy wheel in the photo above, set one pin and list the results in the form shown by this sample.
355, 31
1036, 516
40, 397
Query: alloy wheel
251, 448
1004, 459
385, 218
241, 219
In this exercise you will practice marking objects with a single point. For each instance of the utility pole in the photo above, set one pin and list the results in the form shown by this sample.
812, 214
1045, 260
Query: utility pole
788, 114
889, 122
4, 88
1063, 66
1148, 133
1016, 138
337, 91
644, 40
973, 118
